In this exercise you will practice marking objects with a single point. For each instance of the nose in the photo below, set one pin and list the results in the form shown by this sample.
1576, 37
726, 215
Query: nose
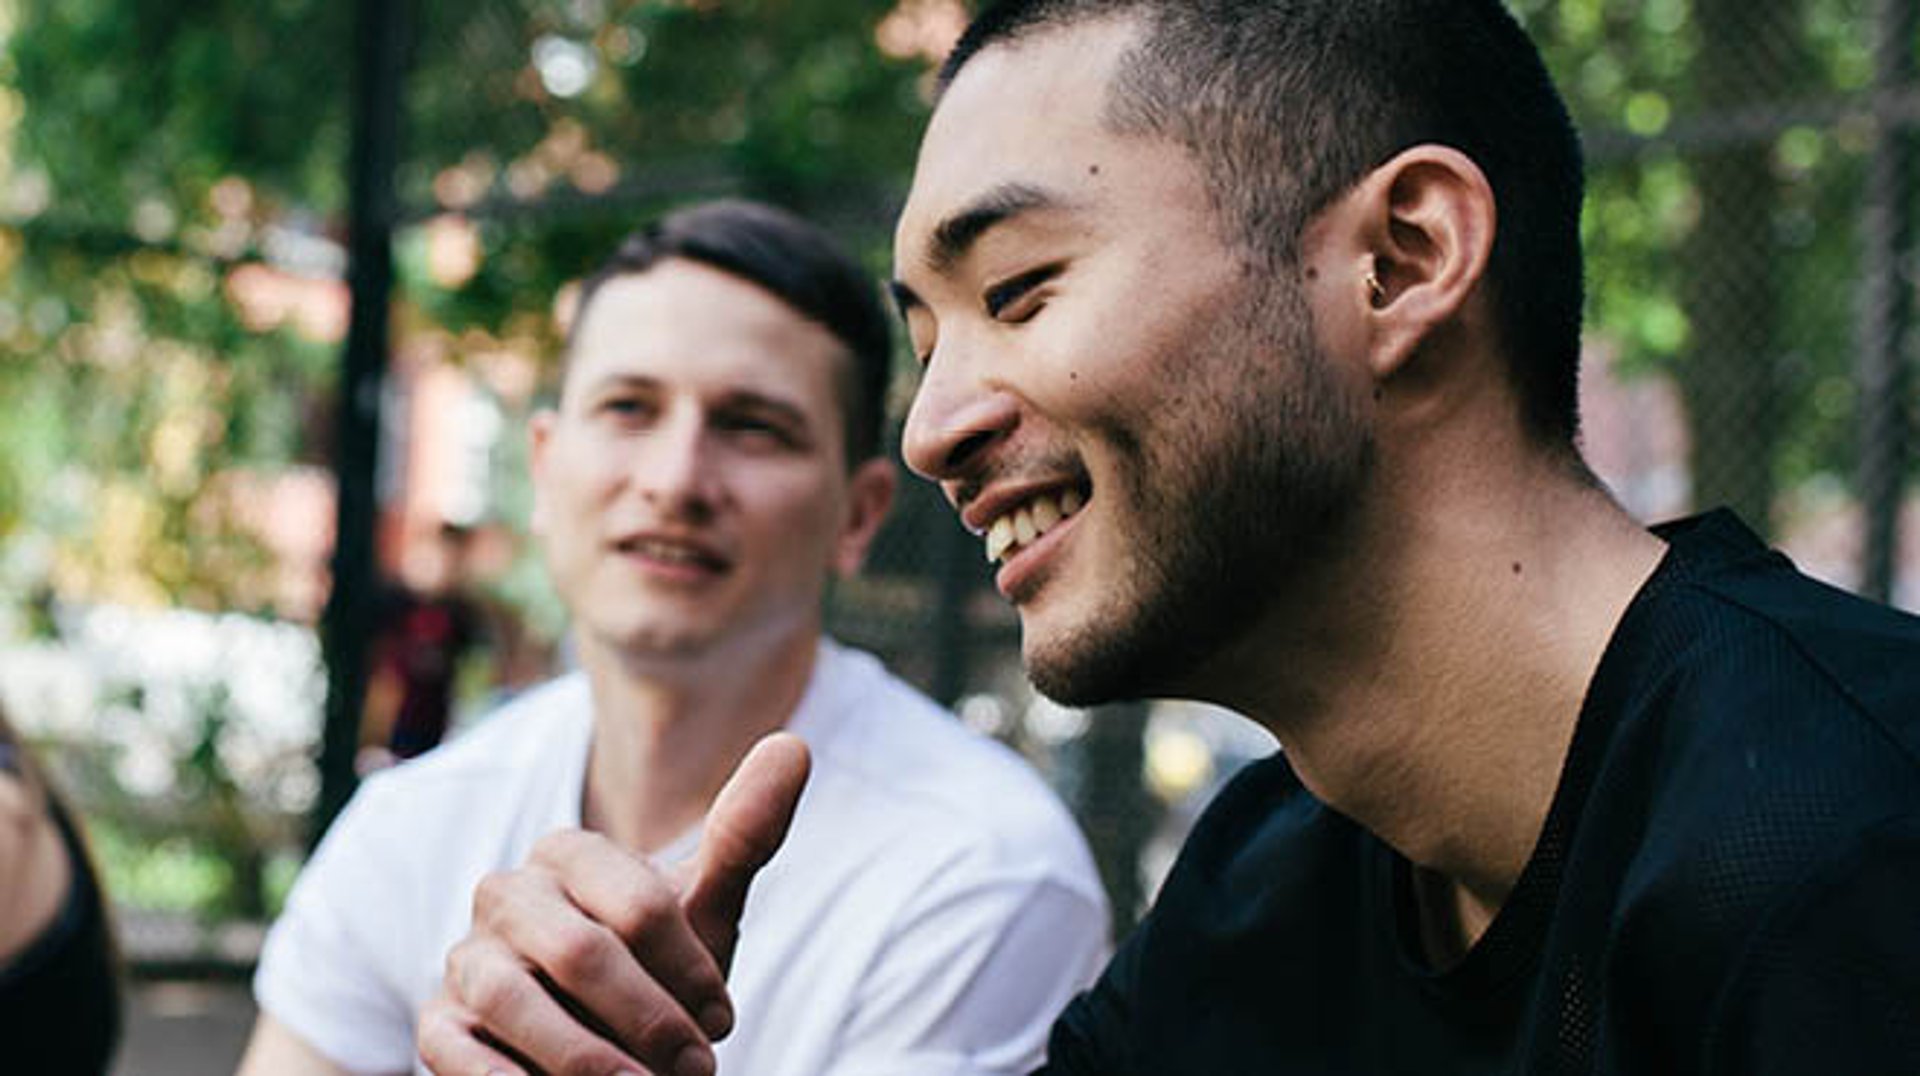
674, 470
955, 419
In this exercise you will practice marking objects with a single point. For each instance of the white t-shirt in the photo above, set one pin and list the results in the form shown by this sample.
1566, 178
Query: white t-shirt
932, 910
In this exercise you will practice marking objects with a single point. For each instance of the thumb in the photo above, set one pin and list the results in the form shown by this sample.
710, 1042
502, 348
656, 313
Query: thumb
744, 829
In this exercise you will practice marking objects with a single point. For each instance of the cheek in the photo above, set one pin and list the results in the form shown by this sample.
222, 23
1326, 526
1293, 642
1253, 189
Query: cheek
1142, 346
571, 502
791, 515
564, 503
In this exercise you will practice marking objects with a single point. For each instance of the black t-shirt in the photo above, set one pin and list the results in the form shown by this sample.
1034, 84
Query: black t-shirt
60, 997
1728, 881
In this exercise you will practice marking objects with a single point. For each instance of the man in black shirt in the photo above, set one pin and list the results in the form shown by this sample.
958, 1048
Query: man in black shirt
1725, 881
1250, 336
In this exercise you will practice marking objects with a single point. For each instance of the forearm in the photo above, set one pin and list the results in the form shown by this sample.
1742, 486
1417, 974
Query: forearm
274, 1050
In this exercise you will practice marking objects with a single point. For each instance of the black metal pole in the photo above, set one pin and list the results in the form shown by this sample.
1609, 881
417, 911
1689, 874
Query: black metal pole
1114, 805
380, 63
1886, 296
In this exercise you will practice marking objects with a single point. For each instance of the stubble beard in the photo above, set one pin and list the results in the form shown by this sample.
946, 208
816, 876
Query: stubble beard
1248, 479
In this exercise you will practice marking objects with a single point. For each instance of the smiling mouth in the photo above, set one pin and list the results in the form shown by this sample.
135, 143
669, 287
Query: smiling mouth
1024, 525
670, 552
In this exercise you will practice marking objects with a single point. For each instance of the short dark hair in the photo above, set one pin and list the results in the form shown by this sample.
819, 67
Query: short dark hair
801, 266
1286, 104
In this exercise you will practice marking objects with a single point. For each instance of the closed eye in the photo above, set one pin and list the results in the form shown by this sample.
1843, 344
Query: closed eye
1001, 299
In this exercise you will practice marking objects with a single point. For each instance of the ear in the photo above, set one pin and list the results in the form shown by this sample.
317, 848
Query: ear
1423, 225
539, 440
870, 492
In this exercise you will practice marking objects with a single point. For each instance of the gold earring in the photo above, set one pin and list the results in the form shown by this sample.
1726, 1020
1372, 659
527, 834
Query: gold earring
1376, 291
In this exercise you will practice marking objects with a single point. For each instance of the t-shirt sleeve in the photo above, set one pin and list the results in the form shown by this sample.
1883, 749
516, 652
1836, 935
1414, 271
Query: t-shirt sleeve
969, 982
1831, 983
321, 975
1090, 1037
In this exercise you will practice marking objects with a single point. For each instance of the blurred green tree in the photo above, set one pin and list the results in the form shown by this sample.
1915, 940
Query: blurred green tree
171, 192
1724, 172
173, 188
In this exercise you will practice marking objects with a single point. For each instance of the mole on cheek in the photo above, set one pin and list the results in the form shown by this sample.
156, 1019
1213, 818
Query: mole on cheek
1093, 169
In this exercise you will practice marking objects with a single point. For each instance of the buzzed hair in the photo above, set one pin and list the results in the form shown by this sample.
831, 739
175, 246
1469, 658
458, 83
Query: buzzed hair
1286, 104
801, 266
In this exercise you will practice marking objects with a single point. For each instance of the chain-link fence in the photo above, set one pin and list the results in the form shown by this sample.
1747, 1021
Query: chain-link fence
198, 385
1751, 265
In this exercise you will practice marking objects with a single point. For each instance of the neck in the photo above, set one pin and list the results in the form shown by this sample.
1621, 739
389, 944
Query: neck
1437, 709
668, 732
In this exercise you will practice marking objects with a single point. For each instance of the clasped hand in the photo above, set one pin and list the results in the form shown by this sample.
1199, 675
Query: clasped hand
589, 959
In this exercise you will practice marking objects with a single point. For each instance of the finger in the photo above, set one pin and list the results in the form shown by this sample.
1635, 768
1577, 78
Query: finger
450, 1043
520, 1014
642, 909
744, 829
530, 915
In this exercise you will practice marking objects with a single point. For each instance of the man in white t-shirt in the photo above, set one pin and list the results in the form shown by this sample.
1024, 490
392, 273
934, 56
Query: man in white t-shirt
713, 459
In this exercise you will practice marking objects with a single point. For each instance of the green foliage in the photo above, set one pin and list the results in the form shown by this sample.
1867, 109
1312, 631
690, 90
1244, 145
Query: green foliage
132, 117
1665, 93
786, 100
157, 152
182, 872
136, 105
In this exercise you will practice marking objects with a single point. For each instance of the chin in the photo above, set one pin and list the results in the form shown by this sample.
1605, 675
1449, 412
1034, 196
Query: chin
661, 641
1153, 641
1086, 666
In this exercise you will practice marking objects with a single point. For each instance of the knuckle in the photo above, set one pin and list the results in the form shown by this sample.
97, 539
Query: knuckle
493, 995
492, 894
559, 846
437, 1027
467, 963
586, 1058
647, 914
455, 969
576, 951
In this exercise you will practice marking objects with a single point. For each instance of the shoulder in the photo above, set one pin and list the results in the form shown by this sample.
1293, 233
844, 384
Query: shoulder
1765, 714
480, 785
1738, 620
1760, 727
59, 982
896, 770
1264, 851
500, 745
1268, 878
367, 923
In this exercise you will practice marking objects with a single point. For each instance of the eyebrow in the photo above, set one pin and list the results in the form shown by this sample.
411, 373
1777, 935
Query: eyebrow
956, 235
961, 231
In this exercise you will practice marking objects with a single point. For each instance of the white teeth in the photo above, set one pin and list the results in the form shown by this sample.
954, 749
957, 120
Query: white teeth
999, 537
1024, 526
668, 552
